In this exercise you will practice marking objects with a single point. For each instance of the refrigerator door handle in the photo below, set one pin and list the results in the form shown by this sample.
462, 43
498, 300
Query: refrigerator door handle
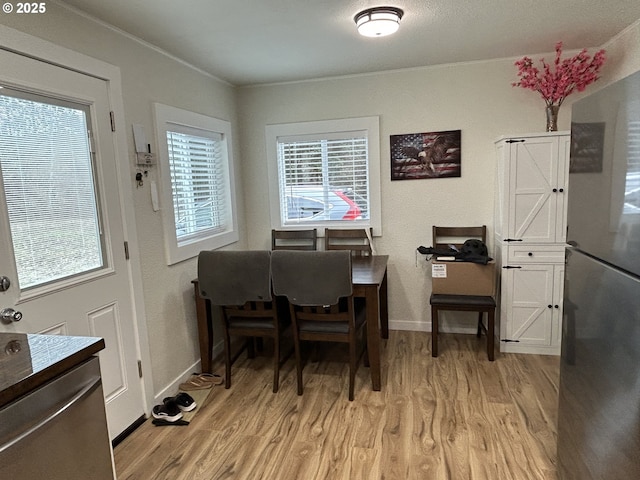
75, 399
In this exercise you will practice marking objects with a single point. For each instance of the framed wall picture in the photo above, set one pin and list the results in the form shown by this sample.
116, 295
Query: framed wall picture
425, 155
587, 147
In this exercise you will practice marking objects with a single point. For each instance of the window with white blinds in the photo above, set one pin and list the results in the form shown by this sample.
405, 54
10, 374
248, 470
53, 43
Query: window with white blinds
332, 172
197, 174
325, 173
197, 183
632, 184
49, 188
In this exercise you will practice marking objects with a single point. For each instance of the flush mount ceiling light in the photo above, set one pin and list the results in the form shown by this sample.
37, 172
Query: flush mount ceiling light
378, 21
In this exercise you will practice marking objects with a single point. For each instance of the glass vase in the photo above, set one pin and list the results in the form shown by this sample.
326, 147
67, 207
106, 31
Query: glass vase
552, 117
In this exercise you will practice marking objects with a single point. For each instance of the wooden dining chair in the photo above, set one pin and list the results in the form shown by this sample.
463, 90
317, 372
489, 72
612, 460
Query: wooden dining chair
356, 240
319, 289
294, 239
443, 238
239, 284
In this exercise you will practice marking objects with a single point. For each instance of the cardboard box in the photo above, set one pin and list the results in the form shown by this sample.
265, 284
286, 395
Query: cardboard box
463, 278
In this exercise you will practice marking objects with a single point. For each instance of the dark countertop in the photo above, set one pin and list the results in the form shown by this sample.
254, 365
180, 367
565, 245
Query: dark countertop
29, 360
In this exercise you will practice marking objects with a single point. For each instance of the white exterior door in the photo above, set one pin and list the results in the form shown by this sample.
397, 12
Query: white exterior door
61, 225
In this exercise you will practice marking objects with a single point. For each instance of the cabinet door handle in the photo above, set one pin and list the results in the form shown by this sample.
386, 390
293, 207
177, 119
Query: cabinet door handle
561, 190
556, 306
530, 254
555, 190
549, 306
512, 239
515, 141
509, 266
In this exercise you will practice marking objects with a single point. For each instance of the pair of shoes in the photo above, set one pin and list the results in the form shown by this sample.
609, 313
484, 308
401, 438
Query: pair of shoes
184, 401
202, 381
172, 408
169, 411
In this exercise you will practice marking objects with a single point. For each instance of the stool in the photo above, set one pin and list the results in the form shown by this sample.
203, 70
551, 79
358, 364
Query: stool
463, 303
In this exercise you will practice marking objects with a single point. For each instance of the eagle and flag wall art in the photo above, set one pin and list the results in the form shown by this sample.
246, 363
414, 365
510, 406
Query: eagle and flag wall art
425, 155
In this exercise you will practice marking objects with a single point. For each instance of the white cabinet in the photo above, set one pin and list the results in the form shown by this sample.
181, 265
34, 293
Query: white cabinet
530, 231
532, 188
531, 308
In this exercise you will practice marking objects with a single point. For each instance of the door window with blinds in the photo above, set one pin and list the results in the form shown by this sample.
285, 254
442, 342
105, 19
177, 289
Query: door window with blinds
50, 190
325, 173
197, 172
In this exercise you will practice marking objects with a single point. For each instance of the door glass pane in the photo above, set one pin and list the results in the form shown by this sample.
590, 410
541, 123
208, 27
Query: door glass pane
49, 188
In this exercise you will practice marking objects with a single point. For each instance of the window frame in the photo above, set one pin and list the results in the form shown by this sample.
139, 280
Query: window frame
369, 125
178, 251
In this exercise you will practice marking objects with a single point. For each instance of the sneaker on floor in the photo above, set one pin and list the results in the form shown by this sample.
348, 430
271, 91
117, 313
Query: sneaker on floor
185, 402
168, 411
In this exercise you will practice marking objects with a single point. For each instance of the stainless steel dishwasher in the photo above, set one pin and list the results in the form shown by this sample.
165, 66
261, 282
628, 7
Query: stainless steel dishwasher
58, 431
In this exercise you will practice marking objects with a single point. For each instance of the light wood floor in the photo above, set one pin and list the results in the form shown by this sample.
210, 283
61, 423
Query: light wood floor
454, 417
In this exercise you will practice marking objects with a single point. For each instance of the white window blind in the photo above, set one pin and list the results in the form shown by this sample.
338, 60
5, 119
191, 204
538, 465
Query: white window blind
198, 183
632, 186
323, 177
49, 188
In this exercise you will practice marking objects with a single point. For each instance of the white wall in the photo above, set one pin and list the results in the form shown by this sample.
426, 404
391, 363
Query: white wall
476, 98
147, 77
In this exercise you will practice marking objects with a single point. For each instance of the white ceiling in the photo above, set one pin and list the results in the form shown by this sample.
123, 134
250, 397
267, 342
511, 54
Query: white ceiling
247, 42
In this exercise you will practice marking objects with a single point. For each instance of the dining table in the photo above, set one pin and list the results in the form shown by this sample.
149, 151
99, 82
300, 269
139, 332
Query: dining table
369, 278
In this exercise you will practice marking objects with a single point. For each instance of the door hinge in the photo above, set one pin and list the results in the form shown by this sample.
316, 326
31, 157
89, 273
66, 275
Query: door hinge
140, 368
112, 117
508, 340
126, 250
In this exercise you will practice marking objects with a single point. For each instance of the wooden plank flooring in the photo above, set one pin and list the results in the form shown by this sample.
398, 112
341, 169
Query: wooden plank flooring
454, 417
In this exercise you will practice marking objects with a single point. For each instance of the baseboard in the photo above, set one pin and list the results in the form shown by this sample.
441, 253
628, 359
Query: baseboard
409, 325
412, 326
172, 388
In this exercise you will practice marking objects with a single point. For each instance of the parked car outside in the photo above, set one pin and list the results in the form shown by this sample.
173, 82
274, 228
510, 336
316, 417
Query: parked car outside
315, 203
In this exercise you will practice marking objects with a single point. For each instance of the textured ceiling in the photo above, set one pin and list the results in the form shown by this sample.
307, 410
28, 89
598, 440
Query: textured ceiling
248, 42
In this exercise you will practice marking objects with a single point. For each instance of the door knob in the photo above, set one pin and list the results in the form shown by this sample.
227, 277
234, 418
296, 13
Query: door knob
9, 315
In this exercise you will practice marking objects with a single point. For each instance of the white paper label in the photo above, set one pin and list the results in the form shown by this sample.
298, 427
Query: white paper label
439, 270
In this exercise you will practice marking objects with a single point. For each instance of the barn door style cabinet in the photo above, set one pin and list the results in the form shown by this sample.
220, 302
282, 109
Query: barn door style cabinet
530, 233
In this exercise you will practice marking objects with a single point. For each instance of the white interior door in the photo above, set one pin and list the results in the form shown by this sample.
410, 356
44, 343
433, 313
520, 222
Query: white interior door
61, 228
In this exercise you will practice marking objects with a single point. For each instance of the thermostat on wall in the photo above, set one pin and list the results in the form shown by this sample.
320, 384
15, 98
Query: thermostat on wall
145, 158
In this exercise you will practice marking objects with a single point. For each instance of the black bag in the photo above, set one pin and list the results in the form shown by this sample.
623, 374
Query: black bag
472, 250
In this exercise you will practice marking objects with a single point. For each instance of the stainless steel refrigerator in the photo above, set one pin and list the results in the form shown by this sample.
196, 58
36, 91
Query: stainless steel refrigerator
599, 397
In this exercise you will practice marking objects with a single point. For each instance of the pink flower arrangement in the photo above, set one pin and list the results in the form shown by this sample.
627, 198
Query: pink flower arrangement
570, 74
